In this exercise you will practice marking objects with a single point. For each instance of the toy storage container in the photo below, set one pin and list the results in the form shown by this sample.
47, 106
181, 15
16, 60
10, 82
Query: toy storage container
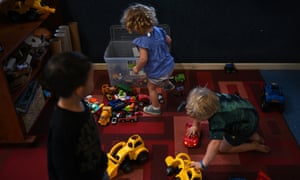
121, 56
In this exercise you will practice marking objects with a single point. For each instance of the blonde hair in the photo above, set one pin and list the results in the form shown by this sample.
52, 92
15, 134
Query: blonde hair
202, 103
139, 18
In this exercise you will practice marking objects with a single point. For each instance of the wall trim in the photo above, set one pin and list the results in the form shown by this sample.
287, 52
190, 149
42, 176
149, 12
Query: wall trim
220, 66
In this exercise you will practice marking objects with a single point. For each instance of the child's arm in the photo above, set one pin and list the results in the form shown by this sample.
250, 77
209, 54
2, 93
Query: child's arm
211, 152
142, 60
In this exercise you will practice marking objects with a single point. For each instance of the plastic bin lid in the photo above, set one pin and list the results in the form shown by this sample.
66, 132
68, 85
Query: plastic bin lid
119, 32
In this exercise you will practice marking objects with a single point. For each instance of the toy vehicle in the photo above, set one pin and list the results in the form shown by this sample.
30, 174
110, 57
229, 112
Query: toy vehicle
93, 104
123, 117
28, 10
123, 154
128, 118
272, 94
229, 68
179, 167
190, 141
143, 100
105, 115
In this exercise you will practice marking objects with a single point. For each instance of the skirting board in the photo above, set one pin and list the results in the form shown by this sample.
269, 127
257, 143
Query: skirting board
220, 66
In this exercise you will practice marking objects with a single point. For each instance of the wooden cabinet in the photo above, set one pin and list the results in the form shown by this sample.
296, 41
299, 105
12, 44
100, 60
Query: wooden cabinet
12, 35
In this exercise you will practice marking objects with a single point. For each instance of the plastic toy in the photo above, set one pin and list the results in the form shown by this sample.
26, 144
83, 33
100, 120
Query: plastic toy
29, 10
121, 95
190, 141
181, 106
127, 89
179, 78
105, 115
128, 118
229, 68
123, 154
179, 91
93, 104
108, 91
179, 167
143, 100
117, 104
261, 175
160, 98
272, 94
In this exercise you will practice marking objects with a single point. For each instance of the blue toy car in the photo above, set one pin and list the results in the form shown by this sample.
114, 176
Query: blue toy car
272, 95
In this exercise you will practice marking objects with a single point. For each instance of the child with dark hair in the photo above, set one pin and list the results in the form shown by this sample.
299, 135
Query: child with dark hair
233, 123
153, 44
74, 148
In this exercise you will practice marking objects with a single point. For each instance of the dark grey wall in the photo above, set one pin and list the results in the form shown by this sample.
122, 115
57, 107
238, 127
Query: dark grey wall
202, 30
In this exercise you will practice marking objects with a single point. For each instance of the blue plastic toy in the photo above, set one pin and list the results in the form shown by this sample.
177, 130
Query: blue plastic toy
272, 95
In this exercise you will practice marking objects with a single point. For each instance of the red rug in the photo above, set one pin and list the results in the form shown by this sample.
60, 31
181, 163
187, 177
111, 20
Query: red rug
163, 136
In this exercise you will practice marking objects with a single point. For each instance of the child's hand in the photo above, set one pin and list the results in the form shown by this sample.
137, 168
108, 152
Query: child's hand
193, 130
196, 165
135, 70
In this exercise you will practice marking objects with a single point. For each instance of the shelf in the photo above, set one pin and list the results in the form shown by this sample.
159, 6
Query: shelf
13, 34
35, 71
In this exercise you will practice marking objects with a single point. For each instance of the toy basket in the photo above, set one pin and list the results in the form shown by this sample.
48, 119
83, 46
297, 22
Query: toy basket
121, 55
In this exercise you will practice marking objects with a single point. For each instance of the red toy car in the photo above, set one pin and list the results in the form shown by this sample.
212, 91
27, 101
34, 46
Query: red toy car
190, 141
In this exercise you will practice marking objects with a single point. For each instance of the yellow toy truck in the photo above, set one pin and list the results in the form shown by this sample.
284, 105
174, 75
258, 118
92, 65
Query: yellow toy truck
105, 115
179, 167
28, 10
123, 154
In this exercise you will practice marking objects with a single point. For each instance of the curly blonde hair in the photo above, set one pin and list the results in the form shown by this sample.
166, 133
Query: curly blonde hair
202, 103
139, 18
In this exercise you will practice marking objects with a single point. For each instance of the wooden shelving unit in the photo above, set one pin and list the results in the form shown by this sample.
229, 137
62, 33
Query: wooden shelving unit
11, 37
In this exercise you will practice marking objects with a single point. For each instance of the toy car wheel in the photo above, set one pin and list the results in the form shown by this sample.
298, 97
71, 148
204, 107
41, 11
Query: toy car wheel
143, 157
172, 171
126, 166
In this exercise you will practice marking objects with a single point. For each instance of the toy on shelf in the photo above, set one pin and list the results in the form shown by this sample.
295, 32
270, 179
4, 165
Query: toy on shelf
229, 68
190, 141
272, 95
28, 10
123, 154
179, 168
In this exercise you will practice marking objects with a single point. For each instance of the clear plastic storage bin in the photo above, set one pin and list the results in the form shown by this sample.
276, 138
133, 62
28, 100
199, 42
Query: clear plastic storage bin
121, 55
